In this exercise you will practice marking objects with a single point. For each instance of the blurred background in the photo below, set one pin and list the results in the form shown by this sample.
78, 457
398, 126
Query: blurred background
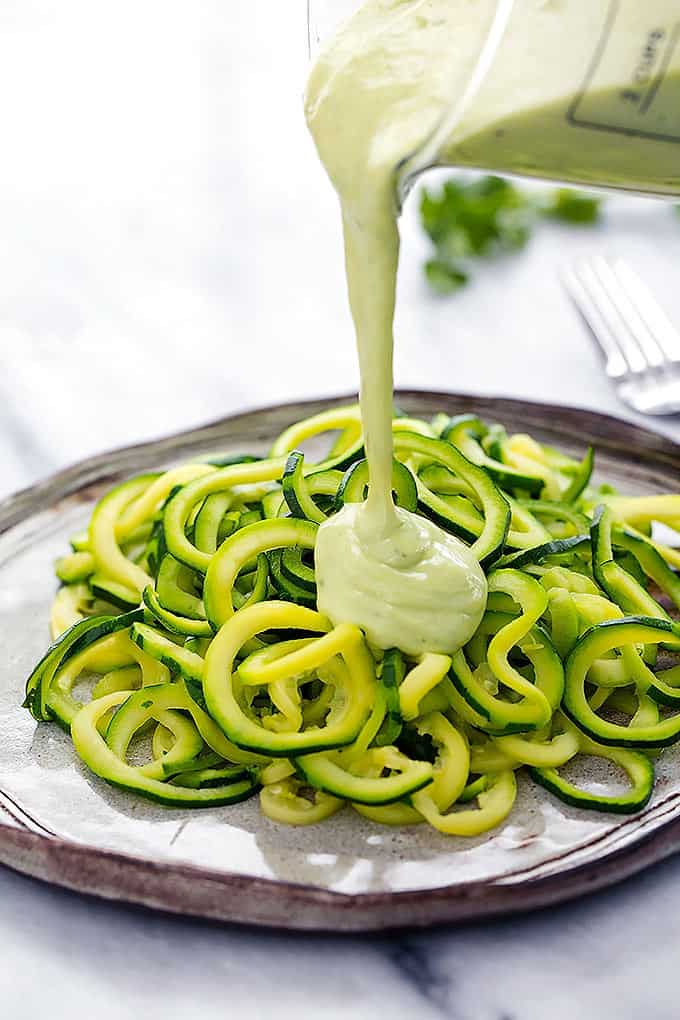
170, 249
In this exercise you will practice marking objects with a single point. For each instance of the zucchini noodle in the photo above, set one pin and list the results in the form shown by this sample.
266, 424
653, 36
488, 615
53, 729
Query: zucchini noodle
187, 614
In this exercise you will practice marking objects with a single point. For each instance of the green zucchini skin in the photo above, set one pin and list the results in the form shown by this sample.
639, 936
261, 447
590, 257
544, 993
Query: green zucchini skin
591, 645
353, 694
390, 679
296, 492
268, 537
488, 544
293, 568
171, 595
621, 587
79, 637
112, 592
209, 521
132, 712
581, 478
229, 459
80, 542
539, 553
454, 517
638, 766
561, 510
473, 789
344, 460
215, 778
285, 582
650, 562
78, 566
177, 659
326, 775
173, 622
354, 485
465, 432
204, 796
495, 719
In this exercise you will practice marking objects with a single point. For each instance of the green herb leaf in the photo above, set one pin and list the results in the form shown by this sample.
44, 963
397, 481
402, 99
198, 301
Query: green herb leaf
473, 218
483, 216
443, 277
573, 207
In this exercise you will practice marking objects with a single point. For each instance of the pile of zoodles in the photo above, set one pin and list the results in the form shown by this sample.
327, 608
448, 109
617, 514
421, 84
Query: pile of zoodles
191, 666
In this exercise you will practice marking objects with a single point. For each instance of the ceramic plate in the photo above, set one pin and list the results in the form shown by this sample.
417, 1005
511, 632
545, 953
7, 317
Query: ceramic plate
63, 825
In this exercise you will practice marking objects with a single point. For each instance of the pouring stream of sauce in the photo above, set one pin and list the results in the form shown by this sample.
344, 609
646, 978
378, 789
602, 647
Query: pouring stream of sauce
400, 577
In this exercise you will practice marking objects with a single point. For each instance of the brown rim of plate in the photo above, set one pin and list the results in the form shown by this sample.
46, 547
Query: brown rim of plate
188, 890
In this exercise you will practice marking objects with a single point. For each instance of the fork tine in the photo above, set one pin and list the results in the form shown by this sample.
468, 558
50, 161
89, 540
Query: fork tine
649, 310
595, 276
628, 311
578, 280
616, 365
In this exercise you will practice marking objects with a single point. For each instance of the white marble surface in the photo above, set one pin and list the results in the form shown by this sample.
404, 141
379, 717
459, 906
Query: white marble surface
170, 252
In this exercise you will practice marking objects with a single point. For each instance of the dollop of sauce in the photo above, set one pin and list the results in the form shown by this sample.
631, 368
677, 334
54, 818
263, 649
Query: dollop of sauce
415, 587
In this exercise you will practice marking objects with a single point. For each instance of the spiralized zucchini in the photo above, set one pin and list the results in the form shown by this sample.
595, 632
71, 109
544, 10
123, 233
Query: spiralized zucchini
191, 666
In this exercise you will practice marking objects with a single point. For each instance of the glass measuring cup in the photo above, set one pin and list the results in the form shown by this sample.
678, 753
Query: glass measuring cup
562, 90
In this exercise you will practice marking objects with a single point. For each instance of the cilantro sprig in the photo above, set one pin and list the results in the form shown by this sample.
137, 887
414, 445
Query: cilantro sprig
482, 217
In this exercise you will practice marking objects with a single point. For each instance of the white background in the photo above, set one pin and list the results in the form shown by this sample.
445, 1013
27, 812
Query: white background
169, 253
169, 246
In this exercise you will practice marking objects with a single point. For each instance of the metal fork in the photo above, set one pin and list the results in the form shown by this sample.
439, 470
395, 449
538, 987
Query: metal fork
640, 344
